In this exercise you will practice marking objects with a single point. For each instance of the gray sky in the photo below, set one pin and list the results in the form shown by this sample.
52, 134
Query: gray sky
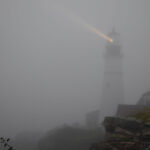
51, 68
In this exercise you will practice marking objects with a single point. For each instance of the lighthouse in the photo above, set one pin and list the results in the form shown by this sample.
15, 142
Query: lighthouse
112, 88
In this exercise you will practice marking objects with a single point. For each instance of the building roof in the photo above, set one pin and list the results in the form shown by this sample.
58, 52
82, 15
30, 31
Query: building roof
126, 110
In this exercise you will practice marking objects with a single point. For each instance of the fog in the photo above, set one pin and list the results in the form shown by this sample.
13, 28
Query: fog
51, 68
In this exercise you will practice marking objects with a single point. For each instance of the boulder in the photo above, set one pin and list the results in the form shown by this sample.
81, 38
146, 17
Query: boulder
111, 123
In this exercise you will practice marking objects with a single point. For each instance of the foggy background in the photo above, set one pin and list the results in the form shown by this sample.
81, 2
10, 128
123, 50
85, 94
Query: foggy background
51, 68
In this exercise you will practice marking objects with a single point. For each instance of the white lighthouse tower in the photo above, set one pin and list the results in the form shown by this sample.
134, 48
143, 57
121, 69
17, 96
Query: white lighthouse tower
112, 90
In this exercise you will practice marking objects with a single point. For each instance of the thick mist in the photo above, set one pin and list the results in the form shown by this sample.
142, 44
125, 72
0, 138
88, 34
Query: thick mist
51, 68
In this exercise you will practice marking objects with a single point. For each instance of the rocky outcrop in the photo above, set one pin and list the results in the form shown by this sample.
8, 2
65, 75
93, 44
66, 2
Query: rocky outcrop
111, 123
124, 134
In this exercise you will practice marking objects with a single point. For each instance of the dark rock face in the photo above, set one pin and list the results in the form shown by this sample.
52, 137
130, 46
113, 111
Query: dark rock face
111, 123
